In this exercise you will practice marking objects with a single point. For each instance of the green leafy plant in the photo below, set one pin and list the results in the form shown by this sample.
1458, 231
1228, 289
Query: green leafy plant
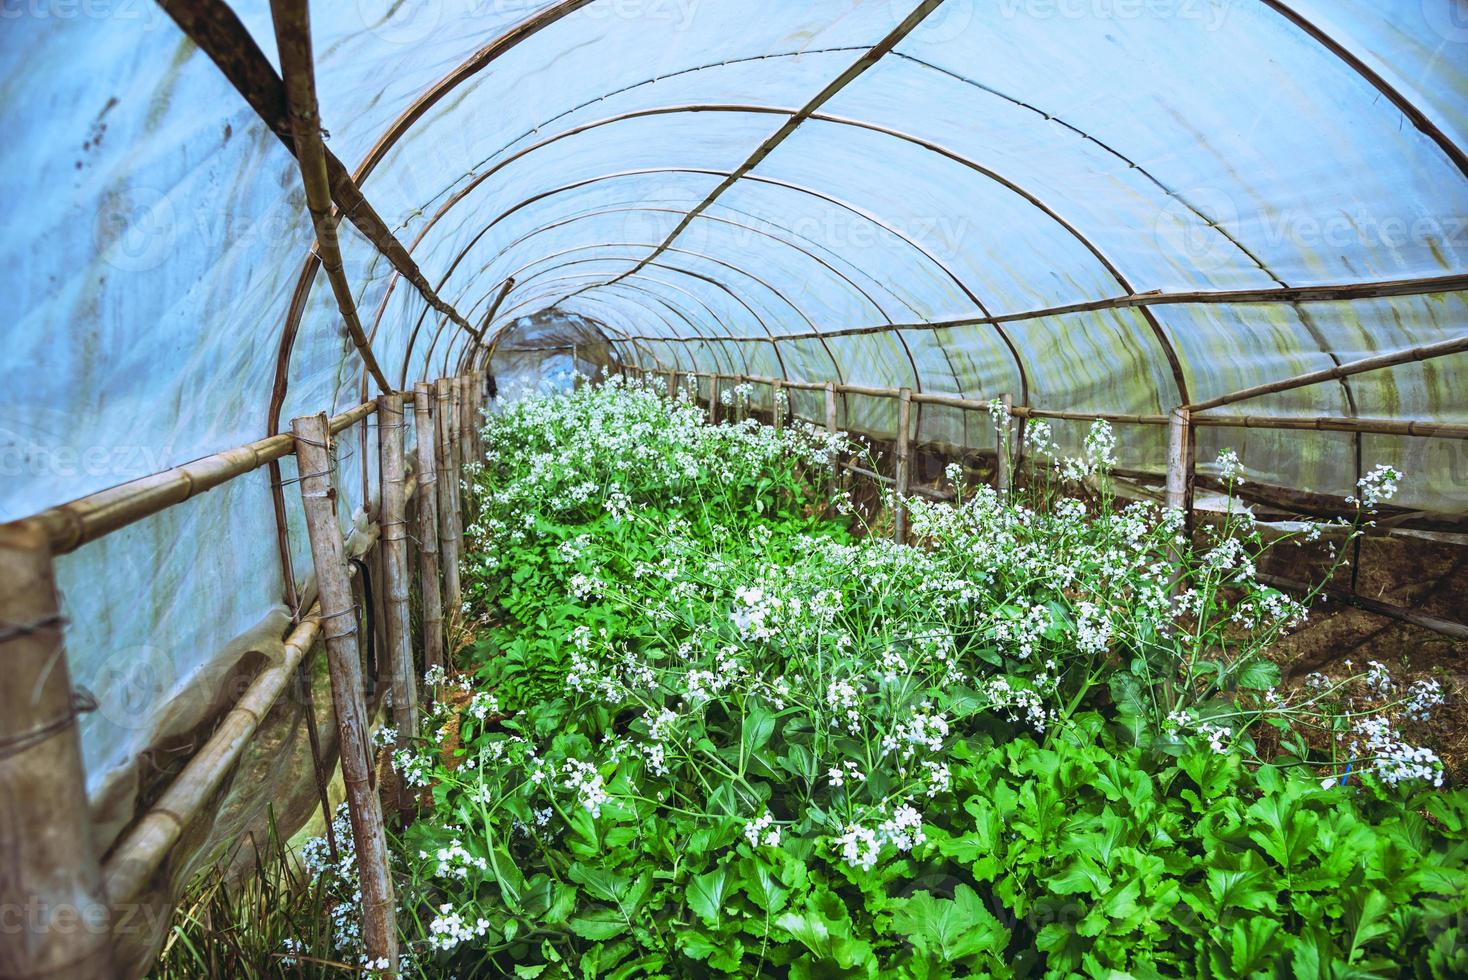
711, 727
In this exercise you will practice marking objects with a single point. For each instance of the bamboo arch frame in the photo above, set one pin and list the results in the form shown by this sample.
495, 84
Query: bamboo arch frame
873, 219
682, 314
533, 24
793, 306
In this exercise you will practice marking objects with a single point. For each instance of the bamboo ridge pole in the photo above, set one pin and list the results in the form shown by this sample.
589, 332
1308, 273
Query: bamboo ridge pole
393, 523
339, 628
293, 39
56, 922
448, 505
427, 438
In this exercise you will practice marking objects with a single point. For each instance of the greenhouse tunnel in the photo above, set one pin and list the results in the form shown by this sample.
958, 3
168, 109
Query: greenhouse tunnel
223, 217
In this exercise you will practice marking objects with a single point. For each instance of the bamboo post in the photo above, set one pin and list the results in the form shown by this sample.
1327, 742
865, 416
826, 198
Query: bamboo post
394, 536
339, 628
904, 463
830, 396
672, 384
423, 419
1179, 451
448, 508
56, 922
777, 391
740, 409
1004, 463
714, 398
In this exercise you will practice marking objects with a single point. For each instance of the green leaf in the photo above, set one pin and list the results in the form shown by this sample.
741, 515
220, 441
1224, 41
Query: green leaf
951, 929
1256, 674
599, 924
1252, 944
706, 895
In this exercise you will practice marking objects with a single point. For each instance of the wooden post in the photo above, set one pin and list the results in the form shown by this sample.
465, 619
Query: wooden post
427, 440
672, 384
740, 409
777, 392
714, 398
448, 508
830, 392
1003, 463
904, 463
393, 527
54, 918
1179, 451
339, 629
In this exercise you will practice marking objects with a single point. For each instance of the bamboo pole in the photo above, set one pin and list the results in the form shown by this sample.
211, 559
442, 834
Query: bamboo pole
1422, 286
777, 413
1179, 449
339, 627
1447, 627
1376, 362
56, 924
393, 528
1328, 423
672, 384
1003, 463
713, 399
220, 34
427, 440
293, 40
904, 463
133, 861
831, 427
448, 507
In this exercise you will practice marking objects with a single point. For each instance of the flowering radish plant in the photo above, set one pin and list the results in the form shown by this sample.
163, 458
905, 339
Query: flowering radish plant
712, 727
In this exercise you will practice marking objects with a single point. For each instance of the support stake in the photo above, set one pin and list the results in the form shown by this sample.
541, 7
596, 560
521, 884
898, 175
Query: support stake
448, 507
1004, 464
394, 530
904, 463
57, 923
427, 440
339, 628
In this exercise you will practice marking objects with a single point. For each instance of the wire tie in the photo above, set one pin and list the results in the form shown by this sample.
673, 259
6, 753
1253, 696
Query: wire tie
14, 631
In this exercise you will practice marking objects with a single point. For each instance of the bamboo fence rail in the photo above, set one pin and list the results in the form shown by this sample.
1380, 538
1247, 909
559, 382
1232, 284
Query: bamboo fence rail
1178, 477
